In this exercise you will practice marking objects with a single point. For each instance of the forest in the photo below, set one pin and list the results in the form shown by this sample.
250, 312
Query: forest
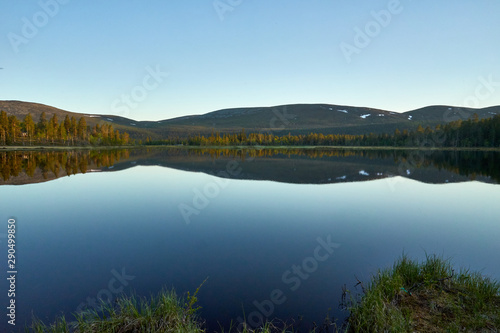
459, 134
470, 133
68, 132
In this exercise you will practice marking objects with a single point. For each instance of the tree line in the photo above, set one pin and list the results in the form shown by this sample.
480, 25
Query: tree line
69, 131
460, 134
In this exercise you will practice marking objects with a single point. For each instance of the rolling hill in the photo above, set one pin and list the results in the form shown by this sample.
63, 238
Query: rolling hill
280, 120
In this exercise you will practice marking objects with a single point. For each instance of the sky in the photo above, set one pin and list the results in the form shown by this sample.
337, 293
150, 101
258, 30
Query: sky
160, 59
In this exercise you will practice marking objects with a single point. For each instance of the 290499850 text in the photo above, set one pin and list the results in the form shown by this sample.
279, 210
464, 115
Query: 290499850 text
11, 272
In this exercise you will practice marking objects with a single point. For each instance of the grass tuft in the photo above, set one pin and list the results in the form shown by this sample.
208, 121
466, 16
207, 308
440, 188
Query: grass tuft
426, 297
165, 312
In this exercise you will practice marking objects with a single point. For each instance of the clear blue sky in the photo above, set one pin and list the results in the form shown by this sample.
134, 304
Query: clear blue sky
88, 56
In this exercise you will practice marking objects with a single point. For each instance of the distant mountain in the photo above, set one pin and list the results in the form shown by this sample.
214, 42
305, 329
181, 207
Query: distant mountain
325, 118
280, 120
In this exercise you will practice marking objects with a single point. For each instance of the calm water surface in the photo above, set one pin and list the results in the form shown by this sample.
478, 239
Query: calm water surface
259, 233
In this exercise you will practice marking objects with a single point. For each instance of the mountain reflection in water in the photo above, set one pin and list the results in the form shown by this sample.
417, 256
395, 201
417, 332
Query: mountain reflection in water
299, 166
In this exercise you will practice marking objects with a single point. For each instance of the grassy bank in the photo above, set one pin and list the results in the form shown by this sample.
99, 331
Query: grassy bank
412, 296
165, 312
427, 297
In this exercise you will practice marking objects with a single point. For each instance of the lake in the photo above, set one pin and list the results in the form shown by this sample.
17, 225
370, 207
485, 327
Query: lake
276, 233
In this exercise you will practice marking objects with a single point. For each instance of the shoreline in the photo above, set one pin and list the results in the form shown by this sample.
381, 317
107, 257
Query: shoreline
49, 148
409, 296
256, 147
